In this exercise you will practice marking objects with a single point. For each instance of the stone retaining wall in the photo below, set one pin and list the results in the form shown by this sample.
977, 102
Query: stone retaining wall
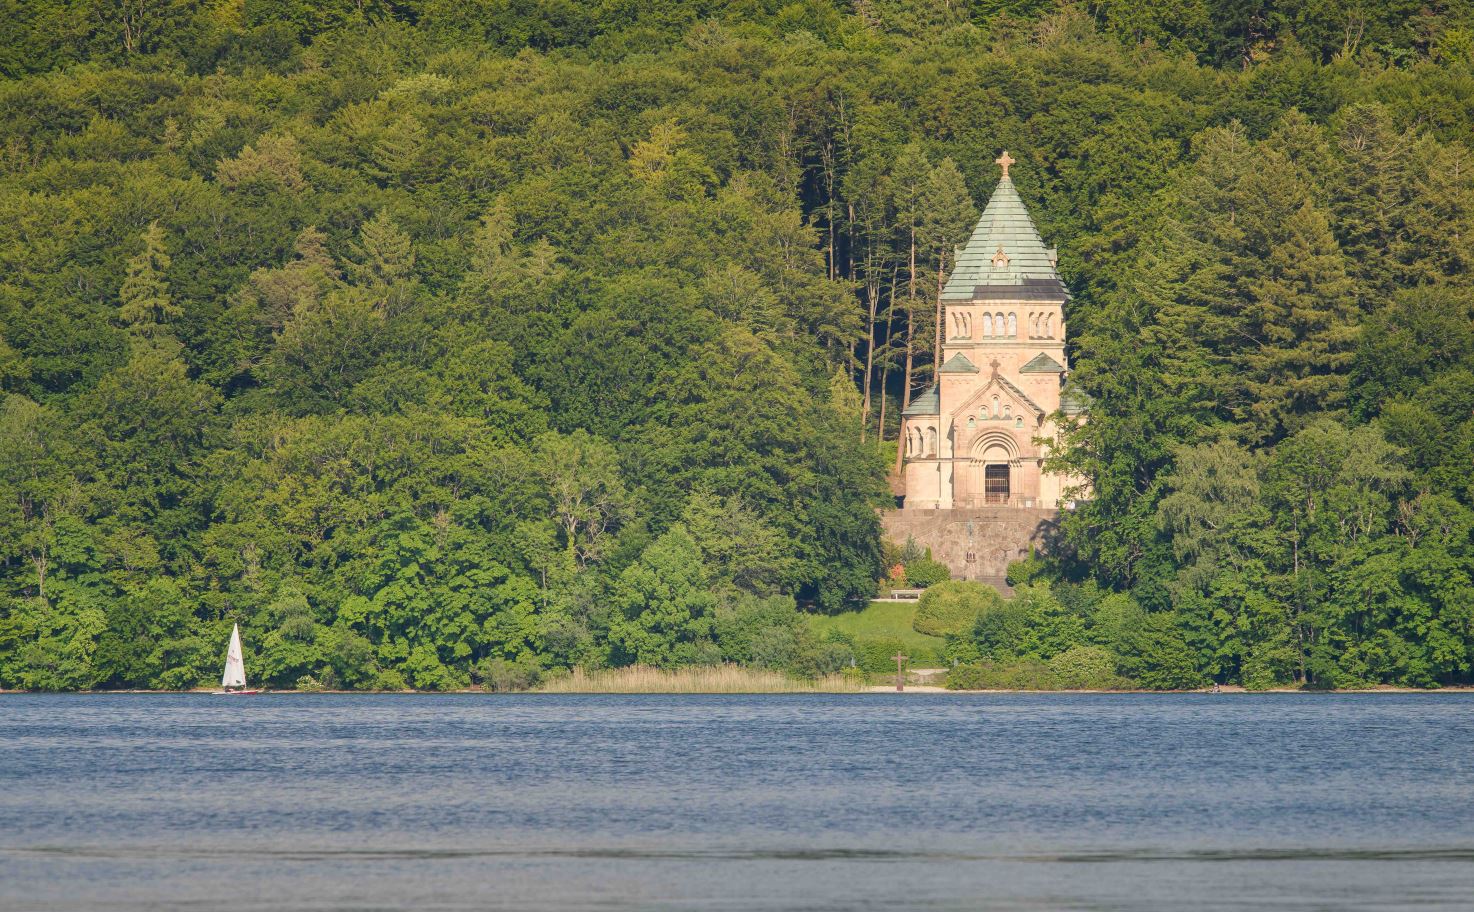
1000, 535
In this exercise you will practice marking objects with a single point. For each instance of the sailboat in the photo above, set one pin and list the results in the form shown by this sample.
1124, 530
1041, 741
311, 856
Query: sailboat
234, 679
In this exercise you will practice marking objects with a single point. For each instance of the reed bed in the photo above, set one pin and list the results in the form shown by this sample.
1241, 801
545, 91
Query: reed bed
706, 679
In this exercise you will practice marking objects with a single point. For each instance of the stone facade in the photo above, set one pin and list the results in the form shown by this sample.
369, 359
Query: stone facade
974, 443
976, 544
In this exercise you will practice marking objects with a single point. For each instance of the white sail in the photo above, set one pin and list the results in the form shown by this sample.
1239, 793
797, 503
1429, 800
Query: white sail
235, 667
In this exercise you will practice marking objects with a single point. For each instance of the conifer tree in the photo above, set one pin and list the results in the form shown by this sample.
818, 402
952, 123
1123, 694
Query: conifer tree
146, 305
949, 213
1302, 316
386, 262
908, 179
1370, 200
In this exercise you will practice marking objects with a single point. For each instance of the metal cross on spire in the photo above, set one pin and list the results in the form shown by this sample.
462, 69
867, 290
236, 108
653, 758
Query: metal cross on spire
1003, 161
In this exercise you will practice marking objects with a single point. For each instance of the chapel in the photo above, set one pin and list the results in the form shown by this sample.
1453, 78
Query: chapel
978, 437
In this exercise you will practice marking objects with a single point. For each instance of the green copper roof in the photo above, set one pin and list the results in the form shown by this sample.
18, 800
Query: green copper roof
1072, 401
1026, 264
958, 364
1042, 364
928, 403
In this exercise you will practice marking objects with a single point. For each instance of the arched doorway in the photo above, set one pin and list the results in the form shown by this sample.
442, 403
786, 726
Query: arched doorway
990, 477
995, 483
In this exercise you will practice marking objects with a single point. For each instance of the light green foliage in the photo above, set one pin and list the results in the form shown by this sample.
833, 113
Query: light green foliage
923, 572
877, 632
737, 544
772, 633
663, 609
1026, 674
1086, 668
953, 607
146, 307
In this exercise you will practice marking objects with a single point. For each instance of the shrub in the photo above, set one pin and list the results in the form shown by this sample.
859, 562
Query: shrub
751, 630
501, 675
823, 659
1087, 668
953, 606
1006, 630
926, 572
1031, 569
989, 675
877, 654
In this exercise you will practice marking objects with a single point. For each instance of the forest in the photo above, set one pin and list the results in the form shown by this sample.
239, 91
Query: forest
443, 344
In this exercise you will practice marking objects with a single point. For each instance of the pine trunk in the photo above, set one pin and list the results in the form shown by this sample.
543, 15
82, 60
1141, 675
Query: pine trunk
885, 363
910, 323
936, 359
871, 292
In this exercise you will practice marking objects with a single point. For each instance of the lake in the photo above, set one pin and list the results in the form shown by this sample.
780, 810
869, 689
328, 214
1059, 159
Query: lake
812, 802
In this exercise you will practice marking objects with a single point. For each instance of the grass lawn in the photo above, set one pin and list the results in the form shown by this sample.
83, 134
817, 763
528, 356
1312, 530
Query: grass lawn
884, 620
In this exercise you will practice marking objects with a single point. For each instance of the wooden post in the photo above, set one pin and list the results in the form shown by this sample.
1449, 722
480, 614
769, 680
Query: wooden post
900, 675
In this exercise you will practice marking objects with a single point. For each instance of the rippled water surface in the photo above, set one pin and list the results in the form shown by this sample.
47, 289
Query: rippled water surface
944, 801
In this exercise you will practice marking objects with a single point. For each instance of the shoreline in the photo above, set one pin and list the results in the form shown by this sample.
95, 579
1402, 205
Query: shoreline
1227, 690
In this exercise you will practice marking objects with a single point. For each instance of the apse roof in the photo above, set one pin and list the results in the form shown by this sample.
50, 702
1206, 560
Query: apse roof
927, 403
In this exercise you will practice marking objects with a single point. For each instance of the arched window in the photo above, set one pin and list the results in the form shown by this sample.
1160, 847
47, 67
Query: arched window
931, 441
1007, 410
987, 324
1049, 326
971, 422
967, 325
995, 406
1013, 324
998, 322
1018, 422
1033, 325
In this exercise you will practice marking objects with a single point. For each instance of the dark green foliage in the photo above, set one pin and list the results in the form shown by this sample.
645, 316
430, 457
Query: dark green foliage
443, 344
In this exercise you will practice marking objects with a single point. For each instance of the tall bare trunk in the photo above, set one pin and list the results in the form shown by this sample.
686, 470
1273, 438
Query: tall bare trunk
885, 364
910, 322
936, 360
827, 154
872, 292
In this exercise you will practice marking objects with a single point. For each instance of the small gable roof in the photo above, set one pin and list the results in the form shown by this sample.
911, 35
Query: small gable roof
959, 364
1042, 364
